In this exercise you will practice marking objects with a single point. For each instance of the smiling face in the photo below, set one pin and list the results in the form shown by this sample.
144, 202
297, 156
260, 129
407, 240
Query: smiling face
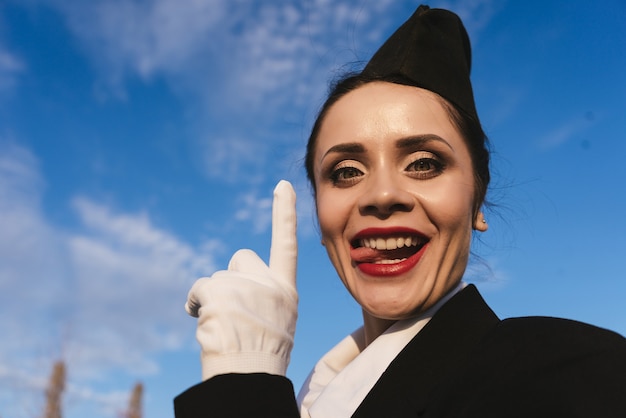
395, 194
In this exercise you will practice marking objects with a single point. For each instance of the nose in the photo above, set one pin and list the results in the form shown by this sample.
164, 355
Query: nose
384, 194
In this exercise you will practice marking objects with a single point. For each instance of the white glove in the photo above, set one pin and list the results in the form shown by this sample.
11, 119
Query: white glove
247, 314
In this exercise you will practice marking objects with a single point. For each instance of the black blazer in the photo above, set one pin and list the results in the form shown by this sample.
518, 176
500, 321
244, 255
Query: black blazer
464, 363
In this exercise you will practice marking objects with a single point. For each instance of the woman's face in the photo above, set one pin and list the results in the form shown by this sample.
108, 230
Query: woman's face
394, 194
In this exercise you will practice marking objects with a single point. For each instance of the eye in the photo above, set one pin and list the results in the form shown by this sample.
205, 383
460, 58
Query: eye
345, 176
425, 167
423, 164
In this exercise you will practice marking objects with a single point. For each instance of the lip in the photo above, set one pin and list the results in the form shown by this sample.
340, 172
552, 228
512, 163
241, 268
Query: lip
388, 270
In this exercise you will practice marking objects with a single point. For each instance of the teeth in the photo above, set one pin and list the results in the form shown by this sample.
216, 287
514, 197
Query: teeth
399, 260
389, 243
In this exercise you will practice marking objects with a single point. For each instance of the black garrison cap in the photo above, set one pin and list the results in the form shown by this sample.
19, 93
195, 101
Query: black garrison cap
431, 50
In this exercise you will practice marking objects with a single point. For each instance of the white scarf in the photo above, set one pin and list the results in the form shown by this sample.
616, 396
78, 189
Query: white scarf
345, 375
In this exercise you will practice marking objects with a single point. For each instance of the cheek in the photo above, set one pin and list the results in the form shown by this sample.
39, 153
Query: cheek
329, 214
332, 218
450, 205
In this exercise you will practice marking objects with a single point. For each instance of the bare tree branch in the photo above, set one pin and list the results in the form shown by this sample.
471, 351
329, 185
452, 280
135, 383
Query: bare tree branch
54, 392
135, 405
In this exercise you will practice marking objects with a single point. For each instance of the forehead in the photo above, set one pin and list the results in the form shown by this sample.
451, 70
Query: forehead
378, 113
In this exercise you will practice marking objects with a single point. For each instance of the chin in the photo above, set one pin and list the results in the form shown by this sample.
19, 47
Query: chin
392, 311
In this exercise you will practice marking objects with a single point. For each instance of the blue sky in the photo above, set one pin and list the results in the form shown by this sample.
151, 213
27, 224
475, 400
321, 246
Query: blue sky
140, 141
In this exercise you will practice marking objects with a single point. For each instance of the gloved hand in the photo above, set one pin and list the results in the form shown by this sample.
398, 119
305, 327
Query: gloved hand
247, 314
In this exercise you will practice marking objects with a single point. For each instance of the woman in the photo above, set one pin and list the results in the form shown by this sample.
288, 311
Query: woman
399, 166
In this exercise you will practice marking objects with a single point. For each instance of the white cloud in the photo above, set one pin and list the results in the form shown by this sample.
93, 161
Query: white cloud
142, 37
234, 159
108, 296
30, 250
134, 275
32, 277
10, 67
475, 14
564, 133
256, 210
235, 52
250, 64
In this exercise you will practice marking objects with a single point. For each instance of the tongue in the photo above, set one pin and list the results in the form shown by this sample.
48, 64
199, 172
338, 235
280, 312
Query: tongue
370, 255
365, 255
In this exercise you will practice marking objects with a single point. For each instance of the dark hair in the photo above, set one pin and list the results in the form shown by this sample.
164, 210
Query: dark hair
468, 126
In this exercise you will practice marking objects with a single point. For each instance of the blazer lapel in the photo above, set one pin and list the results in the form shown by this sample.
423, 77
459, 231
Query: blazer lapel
436, 350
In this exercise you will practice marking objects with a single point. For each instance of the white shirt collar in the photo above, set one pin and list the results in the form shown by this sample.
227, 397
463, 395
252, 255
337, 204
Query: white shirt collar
344, 376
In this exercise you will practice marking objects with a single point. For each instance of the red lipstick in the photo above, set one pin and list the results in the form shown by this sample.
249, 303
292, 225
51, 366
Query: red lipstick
382, 262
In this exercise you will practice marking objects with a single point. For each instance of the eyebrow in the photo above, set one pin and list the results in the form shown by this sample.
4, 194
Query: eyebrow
419, 140
403, 143
347, 148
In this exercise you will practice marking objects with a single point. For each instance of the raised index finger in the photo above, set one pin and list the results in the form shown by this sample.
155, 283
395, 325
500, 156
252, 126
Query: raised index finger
284, 249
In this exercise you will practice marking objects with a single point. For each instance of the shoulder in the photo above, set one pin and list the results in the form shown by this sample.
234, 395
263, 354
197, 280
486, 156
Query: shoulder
532, 336
541, 366
557, 350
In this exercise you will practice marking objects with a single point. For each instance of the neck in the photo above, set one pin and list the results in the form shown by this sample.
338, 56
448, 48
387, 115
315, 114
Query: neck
373, 327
